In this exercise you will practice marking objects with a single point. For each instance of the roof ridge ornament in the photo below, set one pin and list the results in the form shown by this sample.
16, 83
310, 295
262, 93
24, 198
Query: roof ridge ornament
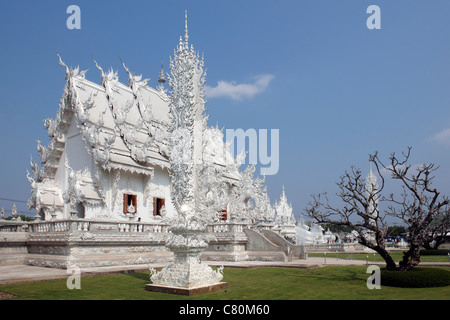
70, 72
62, 64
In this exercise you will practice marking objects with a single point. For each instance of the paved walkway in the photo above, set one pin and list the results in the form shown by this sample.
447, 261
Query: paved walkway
23, 273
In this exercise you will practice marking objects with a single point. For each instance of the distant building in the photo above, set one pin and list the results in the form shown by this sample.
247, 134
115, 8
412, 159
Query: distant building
284, 219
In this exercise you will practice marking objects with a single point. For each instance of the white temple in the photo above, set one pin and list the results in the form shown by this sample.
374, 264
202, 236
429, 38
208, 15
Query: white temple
108, 154
104, 192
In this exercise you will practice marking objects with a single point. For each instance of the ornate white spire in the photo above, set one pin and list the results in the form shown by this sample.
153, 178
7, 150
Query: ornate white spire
198, 188
371, 190
187, 126
186, 35
181, 129
371, 181
14, 211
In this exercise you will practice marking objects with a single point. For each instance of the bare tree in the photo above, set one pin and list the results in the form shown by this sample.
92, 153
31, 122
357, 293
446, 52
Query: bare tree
418, 205
437, 230
358, 201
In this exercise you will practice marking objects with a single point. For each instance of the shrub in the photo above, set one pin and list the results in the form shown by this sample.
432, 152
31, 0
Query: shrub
435, 252
417, 277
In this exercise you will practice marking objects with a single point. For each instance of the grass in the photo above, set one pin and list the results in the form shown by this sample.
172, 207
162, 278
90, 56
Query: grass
396, 255
328, 283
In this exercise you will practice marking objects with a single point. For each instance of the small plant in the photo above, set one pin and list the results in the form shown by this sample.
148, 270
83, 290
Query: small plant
416, 278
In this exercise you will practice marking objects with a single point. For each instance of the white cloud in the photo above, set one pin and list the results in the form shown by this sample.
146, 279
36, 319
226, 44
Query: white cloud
442, 137
239, 91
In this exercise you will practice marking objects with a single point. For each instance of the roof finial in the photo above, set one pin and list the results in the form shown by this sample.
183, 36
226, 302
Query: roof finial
61, 63
162, 78
186, 36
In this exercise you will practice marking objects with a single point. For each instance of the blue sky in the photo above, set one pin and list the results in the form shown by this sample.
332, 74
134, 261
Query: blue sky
336, 90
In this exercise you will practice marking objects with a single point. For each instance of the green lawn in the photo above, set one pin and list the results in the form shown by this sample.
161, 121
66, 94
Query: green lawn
347, 283
396, 255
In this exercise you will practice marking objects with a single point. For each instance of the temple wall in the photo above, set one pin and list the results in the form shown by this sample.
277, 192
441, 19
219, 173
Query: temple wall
157, 187
160, 187
77, 156
60, 176
13, 248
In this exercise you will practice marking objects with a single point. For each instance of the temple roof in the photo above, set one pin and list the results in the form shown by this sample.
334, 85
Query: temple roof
124, 127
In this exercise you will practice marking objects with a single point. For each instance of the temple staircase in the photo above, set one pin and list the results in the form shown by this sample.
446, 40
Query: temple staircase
268, 241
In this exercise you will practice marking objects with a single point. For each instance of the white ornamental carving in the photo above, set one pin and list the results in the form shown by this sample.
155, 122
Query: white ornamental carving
198, 187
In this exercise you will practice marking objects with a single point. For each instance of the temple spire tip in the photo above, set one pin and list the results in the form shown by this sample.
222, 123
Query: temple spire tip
186, 35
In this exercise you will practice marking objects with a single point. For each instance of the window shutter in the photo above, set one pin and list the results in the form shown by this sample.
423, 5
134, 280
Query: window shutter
134, 201
125, 203
224, 215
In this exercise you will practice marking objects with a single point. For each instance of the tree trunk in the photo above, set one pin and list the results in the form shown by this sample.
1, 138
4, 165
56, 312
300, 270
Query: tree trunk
410, 259
427, 245
381, 250
390, 263
438, 241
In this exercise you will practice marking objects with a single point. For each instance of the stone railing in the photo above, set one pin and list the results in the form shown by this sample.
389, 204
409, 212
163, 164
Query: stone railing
326, 247
13, 226
53, 226
227, 227
335, 247
82, 226
142, 227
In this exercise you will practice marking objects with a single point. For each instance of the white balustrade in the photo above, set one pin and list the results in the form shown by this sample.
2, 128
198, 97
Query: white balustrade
227, 227
238, 228
141, 227
131, 227
83, 226
50, 226
157, 228
219, 228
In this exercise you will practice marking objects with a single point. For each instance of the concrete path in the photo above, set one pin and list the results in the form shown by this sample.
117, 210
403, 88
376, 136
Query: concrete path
23, 273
